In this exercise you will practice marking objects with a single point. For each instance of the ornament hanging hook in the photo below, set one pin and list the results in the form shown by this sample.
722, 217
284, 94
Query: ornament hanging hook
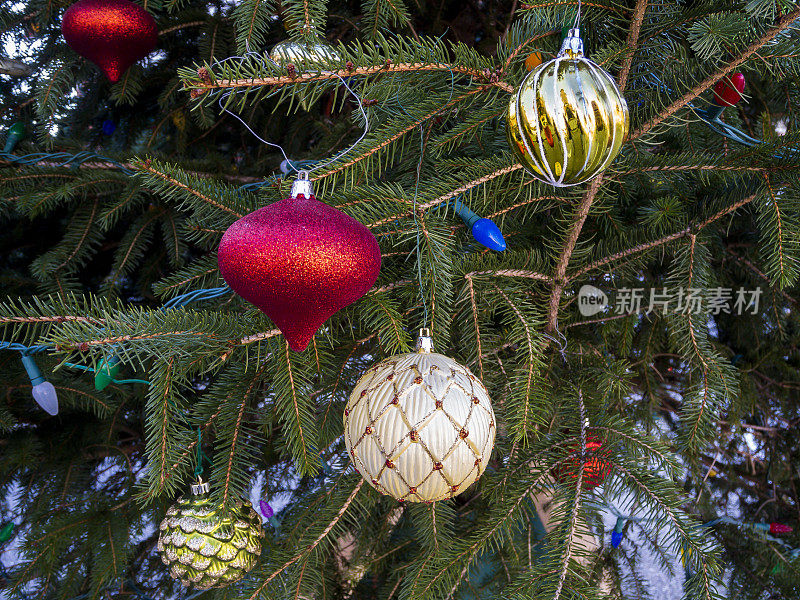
302, 185
577, 23
424, 341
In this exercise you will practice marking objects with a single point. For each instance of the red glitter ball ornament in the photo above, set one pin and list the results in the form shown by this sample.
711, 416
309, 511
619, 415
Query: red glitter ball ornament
299, 261
596, 465
728, 92
113, 34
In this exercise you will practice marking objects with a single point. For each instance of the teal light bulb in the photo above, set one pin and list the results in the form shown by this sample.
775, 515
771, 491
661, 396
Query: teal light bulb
16, 133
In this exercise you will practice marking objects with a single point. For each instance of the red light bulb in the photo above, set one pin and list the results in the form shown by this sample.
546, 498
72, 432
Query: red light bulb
728, 91
779, 528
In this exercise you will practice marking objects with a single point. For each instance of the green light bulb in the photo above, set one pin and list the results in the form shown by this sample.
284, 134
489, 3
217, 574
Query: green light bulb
6, 531
106, 372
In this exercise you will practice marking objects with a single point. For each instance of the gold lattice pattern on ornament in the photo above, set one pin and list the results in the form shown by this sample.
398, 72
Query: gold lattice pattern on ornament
420, 427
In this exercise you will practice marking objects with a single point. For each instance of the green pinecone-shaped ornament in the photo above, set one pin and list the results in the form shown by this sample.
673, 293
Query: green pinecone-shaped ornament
206, 546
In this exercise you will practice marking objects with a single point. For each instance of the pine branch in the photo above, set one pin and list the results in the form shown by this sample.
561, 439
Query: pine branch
632, 43
573, 522
449, 196
669, 238
468, 277
366, 71
338, 167
569, 246
512, 273
783, 24
314, 544
146, 166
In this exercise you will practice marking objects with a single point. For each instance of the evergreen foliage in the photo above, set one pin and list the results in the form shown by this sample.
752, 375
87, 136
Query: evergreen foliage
697, 411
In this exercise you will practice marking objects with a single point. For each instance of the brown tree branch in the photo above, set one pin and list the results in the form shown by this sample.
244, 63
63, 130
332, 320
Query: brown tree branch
569, 246
588, 198
783, 24
449, 195
632, 43
194, 192
661, 241
341, 73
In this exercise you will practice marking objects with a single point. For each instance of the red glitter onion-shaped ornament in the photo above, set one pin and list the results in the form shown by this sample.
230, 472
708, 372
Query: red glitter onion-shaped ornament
596, 466
299, 261
113, 34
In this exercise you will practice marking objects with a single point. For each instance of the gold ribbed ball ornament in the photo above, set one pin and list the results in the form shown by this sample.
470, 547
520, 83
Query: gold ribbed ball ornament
568, 119
419, 426
206, 546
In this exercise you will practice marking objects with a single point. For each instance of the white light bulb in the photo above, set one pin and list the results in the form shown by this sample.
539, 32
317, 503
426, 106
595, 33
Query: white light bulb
45, 395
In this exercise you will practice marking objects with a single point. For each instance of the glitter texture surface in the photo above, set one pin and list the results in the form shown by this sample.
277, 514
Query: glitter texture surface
596, 465
299, 261
113, 34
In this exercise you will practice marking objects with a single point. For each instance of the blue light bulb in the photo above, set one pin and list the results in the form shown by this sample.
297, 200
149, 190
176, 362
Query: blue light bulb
488, 234
617, 534
109, 127
483, 230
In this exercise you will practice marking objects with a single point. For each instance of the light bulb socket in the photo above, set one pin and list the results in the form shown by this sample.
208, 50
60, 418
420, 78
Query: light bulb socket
6, 531
33, 370
302, 186
16, 133
466, 213
713, 112
620, 524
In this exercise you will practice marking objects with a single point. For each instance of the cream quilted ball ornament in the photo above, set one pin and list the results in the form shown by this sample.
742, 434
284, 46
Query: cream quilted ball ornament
419, 426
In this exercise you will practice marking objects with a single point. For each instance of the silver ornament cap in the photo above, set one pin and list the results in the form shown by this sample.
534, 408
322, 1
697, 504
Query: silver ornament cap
200, 488
572, 44
302, 186
425, 341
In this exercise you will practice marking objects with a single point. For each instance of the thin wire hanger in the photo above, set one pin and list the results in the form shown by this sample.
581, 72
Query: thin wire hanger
561, 342
260, 58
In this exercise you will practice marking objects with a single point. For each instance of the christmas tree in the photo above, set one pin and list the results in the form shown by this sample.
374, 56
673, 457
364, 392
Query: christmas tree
226, 225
